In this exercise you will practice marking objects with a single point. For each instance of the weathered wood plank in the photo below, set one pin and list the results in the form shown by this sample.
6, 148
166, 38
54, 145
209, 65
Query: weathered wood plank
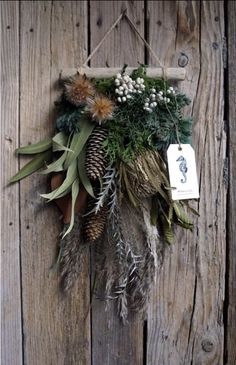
70, 33
185, 323
170, 308
113, 343
231, 259
11, 324
53, 35
122, 46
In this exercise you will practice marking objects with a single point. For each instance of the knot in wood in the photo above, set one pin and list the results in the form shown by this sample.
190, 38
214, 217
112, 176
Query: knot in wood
207, 345
215, 45
183, 60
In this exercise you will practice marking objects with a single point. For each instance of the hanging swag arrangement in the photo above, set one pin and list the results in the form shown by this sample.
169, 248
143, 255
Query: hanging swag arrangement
108, 172
109, 151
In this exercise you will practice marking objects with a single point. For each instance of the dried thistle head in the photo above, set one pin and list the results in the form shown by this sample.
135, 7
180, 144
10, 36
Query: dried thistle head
78, 88
101, 108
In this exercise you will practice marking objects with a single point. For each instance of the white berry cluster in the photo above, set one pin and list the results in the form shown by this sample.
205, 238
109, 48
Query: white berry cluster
126, 87
157, 97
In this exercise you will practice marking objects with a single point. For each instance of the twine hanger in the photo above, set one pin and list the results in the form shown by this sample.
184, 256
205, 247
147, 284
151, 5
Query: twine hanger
124, 15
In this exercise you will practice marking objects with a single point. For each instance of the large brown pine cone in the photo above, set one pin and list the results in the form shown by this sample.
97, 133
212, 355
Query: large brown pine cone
96, 161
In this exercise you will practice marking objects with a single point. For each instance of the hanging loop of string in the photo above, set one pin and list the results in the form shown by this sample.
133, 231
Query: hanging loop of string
124, 15
102, 40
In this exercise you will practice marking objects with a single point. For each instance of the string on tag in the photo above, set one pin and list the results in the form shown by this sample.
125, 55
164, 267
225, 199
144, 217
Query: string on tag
175, 124
176, 127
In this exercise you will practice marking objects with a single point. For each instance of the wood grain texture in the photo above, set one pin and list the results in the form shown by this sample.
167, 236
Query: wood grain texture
11, 328
231, 259
55, 328
113, 343
185, 320
185, 315
122, 46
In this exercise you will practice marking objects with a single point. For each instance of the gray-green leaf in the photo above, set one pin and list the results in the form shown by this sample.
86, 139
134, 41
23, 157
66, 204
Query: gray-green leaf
38, 147
79, 140
181, 215
74, 194
56, 165
71, 175
32, 166
83, 175
60, 142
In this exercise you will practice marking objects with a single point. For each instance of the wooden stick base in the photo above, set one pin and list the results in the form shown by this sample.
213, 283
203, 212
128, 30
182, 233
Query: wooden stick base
177, 74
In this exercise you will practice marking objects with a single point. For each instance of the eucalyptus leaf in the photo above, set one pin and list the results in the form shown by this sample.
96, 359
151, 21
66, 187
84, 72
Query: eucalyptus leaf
71, 175
56, 165
65, 192
38, 147
74, 194
83, 175
60, 142
32, 166
79, 140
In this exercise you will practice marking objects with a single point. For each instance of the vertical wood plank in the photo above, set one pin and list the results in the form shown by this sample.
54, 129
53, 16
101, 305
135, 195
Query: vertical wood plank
185, 323
69, 38
231, 320
11, 326
113, 343
122, 46
53, 36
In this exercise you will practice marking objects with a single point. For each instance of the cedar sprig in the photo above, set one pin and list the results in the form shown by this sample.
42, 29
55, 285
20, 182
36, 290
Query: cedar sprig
133, 130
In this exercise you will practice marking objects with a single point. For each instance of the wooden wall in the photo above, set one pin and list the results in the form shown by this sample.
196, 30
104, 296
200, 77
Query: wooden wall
191, 318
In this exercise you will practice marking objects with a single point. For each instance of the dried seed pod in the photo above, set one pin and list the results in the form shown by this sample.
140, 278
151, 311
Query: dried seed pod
101, 108
78, 88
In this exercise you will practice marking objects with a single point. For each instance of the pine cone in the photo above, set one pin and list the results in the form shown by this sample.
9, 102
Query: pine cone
94, 224
96, 161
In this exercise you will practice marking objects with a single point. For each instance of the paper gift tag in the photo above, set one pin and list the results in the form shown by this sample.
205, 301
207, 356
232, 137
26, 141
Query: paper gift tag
182, 172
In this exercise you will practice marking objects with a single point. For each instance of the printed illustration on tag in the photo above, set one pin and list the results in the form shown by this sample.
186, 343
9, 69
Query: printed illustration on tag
183, 168
182, 172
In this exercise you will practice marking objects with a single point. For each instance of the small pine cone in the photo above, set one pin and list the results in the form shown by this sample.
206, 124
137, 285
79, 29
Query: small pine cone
96, 161
94, 224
